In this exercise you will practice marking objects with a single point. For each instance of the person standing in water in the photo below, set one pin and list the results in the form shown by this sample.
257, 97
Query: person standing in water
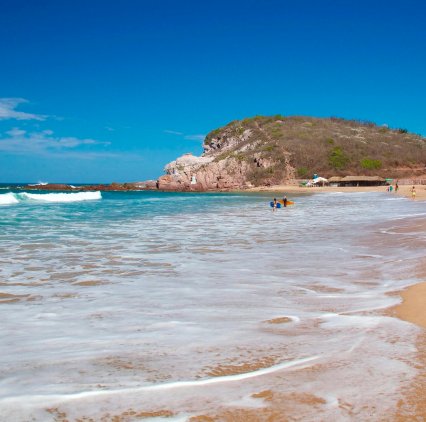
274, 205
285, 201
413, 192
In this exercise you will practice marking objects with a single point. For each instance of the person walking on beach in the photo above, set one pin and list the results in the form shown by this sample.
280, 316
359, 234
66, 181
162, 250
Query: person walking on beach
413, 192
396, 186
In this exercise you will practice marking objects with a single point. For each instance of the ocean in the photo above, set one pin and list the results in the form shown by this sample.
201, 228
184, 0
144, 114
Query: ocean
178, 305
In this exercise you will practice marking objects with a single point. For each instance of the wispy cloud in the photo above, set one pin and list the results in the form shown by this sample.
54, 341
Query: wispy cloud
173, 132
8, 110
44, 143
19, 141
198, 137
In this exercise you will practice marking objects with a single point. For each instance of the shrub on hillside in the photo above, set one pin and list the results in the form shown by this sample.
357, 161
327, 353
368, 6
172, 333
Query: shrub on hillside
337, 159
370, 164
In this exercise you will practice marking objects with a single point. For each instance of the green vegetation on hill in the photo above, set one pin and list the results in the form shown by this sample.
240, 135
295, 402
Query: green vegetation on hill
328, 146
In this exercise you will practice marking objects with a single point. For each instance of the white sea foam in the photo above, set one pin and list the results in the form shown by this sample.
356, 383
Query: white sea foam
62, 197
170, 385
8, 199
132, 303
39, 184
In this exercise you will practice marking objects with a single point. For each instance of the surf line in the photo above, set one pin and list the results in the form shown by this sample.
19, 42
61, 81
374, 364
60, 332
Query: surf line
228, 378
166, 386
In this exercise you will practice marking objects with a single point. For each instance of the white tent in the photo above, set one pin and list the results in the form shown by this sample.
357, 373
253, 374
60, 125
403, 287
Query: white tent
320, 181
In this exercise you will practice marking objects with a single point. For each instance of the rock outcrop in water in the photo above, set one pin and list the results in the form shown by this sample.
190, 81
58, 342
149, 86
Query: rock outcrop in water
147, 185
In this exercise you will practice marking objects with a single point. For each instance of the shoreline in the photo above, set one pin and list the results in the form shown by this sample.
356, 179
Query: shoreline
404, 190
275, 401
150, 186
413, 310
413, 306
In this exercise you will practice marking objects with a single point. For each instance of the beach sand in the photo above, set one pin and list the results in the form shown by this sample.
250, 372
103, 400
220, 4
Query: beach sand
413, 309
404, 190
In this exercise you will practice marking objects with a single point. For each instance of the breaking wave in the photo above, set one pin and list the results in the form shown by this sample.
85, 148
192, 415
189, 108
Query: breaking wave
14, 198
8, 198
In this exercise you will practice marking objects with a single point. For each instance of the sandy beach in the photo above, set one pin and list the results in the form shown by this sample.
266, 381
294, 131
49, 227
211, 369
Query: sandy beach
413, 307
404, 190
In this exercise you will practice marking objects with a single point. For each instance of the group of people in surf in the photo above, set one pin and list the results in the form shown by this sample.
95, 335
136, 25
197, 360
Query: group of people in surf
275, 203
412, 190
390, 187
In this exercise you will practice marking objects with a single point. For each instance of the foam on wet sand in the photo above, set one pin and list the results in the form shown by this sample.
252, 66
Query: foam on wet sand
233, 312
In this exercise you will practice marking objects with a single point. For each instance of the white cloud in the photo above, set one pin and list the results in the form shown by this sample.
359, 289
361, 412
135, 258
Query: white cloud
173, 132
8, 110
16, 132
20, 141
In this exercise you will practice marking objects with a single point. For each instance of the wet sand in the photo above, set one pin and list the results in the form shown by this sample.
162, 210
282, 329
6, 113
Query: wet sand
276, 405
413, 309
412, 406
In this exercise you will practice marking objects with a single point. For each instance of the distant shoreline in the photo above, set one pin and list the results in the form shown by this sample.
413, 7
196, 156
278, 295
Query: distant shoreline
404, 190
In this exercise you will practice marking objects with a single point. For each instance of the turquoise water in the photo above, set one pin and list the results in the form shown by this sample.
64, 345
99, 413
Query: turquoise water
113, 300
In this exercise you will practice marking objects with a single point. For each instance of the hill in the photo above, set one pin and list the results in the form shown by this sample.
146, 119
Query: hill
274, 150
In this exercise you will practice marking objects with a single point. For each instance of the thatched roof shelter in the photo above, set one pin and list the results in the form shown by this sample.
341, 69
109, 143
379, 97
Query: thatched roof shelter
362, 181
334, 179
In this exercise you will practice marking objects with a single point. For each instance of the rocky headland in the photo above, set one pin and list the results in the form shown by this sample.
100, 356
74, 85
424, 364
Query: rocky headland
265, 151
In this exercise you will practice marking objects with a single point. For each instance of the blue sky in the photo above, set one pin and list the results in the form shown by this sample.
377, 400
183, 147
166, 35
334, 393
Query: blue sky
103, 91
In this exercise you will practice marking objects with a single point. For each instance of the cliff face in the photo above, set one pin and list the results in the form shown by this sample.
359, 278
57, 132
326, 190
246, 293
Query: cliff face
273, 150
230, 159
